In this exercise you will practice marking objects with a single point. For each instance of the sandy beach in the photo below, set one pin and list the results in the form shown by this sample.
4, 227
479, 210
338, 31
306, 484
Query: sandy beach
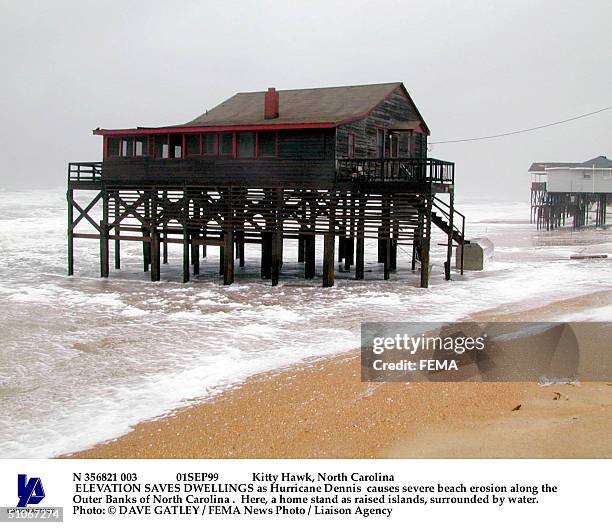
321, 409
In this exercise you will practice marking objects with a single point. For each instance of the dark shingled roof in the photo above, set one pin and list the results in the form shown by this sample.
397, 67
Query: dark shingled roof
313, 105
600, 162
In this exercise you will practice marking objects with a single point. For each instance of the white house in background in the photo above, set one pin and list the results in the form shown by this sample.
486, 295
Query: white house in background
592, 176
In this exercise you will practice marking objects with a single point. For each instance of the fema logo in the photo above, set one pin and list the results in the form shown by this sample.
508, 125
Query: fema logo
29, 490
31, 493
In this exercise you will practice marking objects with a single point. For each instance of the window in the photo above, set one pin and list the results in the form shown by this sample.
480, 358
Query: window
380, 143
161, 147
140, 146
245, 144
209, 144
112, 147
394, 145
176, 146
226, 144
351, 145
192, 144
127, 147
267, 144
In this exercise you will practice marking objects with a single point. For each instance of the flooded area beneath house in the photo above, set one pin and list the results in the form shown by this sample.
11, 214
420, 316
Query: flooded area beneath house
82, 358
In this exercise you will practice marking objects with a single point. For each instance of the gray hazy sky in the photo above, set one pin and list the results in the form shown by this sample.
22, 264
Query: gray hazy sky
473, 68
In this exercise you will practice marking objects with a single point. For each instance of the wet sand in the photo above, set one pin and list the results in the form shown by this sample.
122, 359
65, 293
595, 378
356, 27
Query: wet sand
321, 409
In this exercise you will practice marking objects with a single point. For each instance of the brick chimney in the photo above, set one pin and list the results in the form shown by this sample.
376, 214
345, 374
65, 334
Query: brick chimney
271, 104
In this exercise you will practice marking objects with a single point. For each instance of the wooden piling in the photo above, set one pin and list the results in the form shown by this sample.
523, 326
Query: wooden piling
195, 254
309, 255
349, 258
104, 238
301, 247
449, 241
277, 239
228, 255
266, 254
165, 230
155, 255
360, 249
425, 242
328, 246
70, 200
276, 257
328, 260
186, 250
117, 233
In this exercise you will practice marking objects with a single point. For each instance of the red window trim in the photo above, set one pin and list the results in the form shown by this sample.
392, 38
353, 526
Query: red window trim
152, 141
188, 130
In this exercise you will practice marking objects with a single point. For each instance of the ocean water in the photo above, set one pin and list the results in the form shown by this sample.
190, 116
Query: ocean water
82, 358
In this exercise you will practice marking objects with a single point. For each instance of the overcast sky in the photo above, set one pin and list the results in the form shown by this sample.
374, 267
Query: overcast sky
472, 67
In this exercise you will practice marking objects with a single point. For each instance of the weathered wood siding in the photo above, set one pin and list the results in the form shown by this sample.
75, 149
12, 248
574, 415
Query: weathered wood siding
273, 172
397, 107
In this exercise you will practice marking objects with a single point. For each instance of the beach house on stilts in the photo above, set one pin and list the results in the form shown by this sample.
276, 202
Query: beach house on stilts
344, 163
580, 191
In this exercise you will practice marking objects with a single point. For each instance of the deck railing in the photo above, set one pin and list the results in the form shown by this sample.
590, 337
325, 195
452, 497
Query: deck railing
90, 171
416, 170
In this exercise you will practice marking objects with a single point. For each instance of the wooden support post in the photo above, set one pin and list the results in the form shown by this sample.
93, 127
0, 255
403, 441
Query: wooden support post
394, 238
381, 246
204, 244
328, 246
309, 255
360, 250
414, 250
386, 233
277, 239
146, 244
186, 234
425, 264
276, 257
186, 249
70, 198
228, 255
222, 255
393, 255
449, 243
341, 247
104, 236
117, 234
359, 262
349, 258
387, 259
195, 248
301, 247
155, 255
154, 234
425, 242
195, 255
241, 245
165, 229
266, 254
328, 260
